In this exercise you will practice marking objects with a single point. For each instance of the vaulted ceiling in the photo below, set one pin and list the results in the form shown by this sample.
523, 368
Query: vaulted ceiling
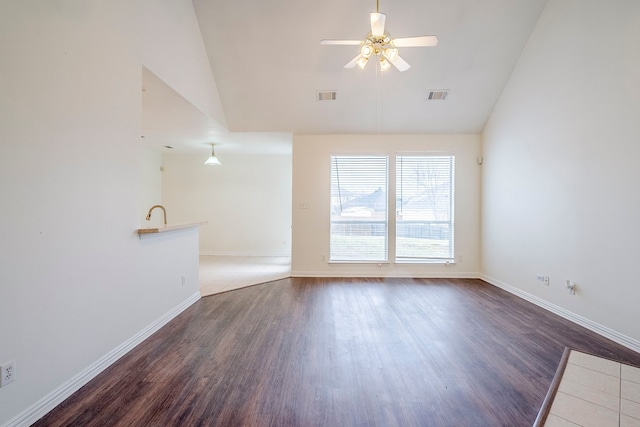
268, 63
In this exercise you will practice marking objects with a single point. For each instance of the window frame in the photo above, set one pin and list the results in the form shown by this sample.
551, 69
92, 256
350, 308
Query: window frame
391, 232
385, 220
450, 258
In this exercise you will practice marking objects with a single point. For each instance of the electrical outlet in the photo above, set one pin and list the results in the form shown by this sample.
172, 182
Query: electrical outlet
543, 278
571, 287
8, 371
184, 280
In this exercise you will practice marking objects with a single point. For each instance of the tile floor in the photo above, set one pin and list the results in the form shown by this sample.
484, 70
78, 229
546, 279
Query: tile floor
596, 392
221, 273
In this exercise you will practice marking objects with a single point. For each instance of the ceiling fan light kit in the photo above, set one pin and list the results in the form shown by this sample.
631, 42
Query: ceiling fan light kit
379, 43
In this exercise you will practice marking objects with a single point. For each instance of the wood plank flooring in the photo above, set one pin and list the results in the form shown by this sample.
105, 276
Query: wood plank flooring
340, 352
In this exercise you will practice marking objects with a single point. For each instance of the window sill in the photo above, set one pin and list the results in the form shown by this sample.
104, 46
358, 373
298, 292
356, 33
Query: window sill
360, 262
409, 261
426, 261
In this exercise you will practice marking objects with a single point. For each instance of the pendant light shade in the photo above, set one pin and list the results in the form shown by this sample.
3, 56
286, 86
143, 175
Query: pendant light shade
212, 160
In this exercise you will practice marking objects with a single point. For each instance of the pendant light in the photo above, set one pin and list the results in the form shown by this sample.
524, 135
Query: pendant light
212, 160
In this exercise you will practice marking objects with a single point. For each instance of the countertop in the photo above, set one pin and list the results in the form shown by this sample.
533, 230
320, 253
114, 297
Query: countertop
170, 227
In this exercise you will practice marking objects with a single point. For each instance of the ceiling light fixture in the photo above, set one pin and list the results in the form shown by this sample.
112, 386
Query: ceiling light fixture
379, 43
212, 160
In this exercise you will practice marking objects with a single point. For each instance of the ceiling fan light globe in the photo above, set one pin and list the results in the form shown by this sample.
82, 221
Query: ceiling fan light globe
366, 51
391, 53
362, 62
384, 64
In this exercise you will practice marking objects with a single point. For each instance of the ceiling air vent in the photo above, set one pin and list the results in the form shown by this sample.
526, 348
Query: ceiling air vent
437, 95
326, 95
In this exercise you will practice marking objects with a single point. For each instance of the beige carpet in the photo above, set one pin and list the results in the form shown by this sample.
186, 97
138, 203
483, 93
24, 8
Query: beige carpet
221, 273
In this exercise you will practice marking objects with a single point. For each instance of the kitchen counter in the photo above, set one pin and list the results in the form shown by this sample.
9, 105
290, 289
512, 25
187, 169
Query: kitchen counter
170, 227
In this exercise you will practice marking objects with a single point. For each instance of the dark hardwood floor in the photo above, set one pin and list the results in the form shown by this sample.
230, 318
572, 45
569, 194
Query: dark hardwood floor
340, 352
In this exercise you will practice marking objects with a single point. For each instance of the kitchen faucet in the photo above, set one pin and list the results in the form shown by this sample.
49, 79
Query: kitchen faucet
164, 211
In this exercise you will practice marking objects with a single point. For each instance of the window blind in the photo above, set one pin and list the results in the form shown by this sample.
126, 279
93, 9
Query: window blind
424, 207
359, 208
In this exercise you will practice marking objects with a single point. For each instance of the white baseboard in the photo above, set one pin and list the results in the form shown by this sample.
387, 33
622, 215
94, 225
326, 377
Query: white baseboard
575, 318
47, 403
57, 396
215, 253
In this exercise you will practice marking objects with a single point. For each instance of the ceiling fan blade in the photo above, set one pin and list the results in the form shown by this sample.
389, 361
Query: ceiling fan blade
377, 23
341, 42
422, 41
353, 62
400, 63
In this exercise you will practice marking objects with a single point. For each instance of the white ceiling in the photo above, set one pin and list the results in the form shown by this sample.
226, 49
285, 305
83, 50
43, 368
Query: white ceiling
169, 120
172, 124
268, 64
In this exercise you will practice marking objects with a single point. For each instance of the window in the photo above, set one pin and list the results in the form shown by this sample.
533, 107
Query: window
424, 207
358, 208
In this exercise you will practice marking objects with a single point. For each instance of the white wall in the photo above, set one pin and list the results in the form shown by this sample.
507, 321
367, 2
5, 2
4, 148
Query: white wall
151, 186
173, 49
311, 187
76, 282
246, 201
561, 151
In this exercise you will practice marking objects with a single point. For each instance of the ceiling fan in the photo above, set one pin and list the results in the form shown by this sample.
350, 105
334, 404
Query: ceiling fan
380, 44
